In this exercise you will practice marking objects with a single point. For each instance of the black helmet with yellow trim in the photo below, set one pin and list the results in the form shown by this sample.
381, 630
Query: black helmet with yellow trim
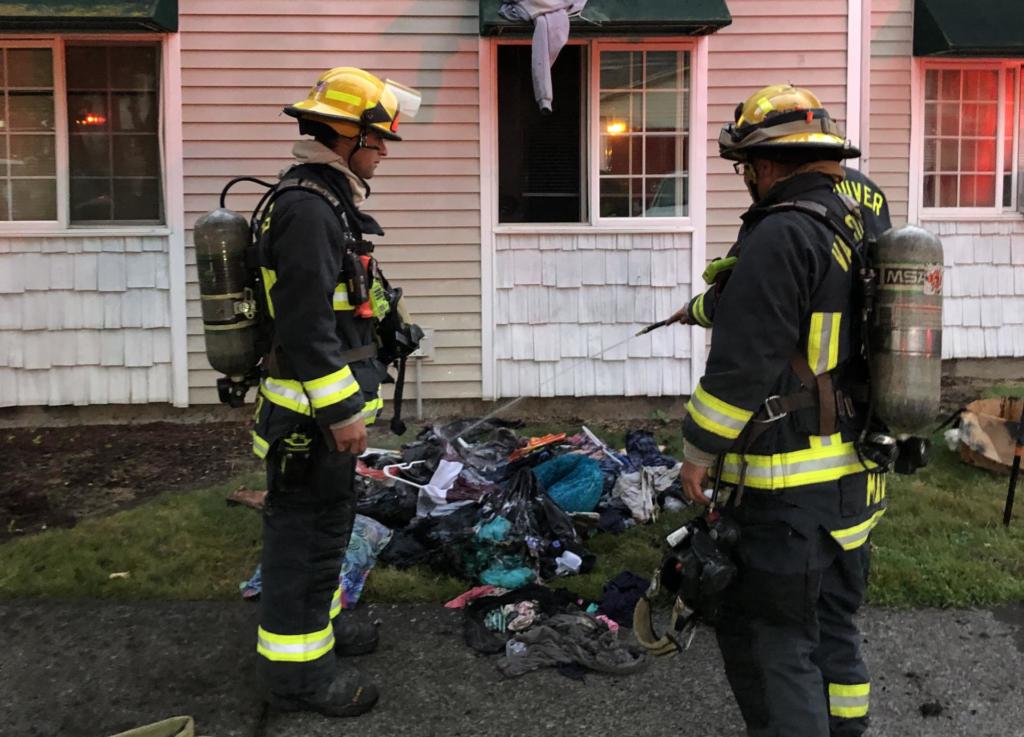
352, 101
782, 119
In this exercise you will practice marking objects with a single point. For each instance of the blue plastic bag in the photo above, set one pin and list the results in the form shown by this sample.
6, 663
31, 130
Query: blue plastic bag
573, 481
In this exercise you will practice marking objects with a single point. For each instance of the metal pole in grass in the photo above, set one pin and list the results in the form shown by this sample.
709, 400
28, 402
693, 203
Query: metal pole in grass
1018, 451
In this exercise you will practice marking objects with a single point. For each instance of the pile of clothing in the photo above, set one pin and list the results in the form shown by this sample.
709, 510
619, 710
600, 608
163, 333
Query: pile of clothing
480, 502
536, 627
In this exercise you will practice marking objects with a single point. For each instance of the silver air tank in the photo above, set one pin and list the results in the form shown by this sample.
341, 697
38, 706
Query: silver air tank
229, 310
906, 329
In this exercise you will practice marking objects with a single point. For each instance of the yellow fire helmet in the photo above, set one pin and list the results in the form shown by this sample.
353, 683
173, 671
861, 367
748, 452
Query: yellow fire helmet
782, 117
351, 100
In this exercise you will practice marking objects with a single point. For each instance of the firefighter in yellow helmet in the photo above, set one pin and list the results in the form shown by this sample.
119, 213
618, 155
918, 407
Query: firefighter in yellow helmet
321, 388
775, 419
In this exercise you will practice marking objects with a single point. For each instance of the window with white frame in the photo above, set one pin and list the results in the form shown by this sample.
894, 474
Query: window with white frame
614, 147
972, 129
94, 105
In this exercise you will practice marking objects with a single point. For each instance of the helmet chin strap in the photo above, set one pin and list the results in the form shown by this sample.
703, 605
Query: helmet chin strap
750, 179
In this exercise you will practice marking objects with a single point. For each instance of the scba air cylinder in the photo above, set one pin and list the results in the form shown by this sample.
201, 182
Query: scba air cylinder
229, 316
906, 329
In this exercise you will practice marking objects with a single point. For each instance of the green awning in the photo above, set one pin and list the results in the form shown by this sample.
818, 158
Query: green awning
969, 28
90, 15
623, 17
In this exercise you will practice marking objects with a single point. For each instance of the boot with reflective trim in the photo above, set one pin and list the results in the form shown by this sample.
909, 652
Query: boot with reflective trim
348, 695
352, 637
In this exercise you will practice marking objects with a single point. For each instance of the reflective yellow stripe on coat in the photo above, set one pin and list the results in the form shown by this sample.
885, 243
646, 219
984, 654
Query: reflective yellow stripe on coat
259, 446
823, 341
372, 409
797, 468
331, 389
698, 312
717, 416
286, 393
848, 701
295, 648
853, 537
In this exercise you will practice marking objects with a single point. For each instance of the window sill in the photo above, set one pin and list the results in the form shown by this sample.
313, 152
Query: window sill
967, 214
661, 226
105, 231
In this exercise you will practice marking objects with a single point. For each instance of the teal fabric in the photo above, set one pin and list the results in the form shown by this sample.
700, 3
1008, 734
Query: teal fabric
573, 481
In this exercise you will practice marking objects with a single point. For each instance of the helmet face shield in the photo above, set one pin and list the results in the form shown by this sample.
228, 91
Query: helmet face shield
407, 99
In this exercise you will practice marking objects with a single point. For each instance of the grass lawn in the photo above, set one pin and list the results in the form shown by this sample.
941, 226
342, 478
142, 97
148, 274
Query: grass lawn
941, 544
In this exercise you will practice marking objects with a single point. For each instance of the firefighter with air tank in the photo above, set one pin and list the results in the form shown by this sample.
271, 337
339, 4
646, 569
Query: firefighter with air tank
795, 421
296, 303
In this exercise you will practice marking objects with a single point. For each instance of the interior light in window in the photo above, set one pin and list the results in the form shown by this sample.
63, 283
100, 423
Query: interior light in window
616, 127
91, 119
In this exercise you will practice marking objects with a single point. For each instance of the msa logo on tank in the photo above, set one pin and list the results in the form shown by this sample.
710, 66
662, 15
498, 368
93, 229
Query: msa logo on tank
911, 277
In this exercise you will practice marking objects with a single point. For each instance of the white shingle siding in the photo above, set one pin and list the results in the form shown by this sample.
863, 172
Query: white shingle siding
607, 287
983, 295
75, 311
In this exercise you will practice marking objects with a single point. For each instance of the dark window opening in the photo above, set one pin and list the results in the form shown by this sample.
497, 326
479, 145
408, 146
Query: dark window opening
540, 157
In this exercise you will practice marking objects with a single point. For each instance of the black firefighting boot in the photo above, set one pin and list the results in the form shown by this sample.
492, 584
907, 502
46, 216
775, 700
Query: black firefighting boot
352, 637
348, 695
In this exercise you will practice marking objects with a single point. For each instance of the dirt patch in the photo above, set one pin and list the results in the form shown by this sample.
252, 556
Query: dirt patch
55, 476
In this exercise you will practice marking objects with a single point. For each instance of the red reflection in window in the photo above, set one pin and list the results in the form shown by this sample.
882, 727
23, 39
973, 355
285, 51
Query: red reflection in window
91, 119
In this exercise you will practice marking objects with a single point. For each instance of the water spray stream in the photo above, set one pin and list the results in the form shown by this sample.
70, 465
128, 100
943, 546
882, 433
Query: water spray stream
570, 367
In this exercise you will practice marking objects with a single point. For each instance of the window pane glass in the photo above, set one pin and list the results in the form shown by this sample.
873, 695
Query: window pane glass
930, 155
663, 70
949, 84
33, 156
931, 119
33, 199
977, 190
88, 113
137, 156
136, 199
980, 84
617, 155
540, 157
947, 191
666, 154
134, 67
614, 198
4, 162
636, 197
91, 199
5, 207
929, 190
948, 160
87, 68
931, 84
90, 155
113, 126
949, 120
31, 111
666, 197
980, 120
134, 111
621, 70
29, 68
622, 112
655, 114
666, 112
